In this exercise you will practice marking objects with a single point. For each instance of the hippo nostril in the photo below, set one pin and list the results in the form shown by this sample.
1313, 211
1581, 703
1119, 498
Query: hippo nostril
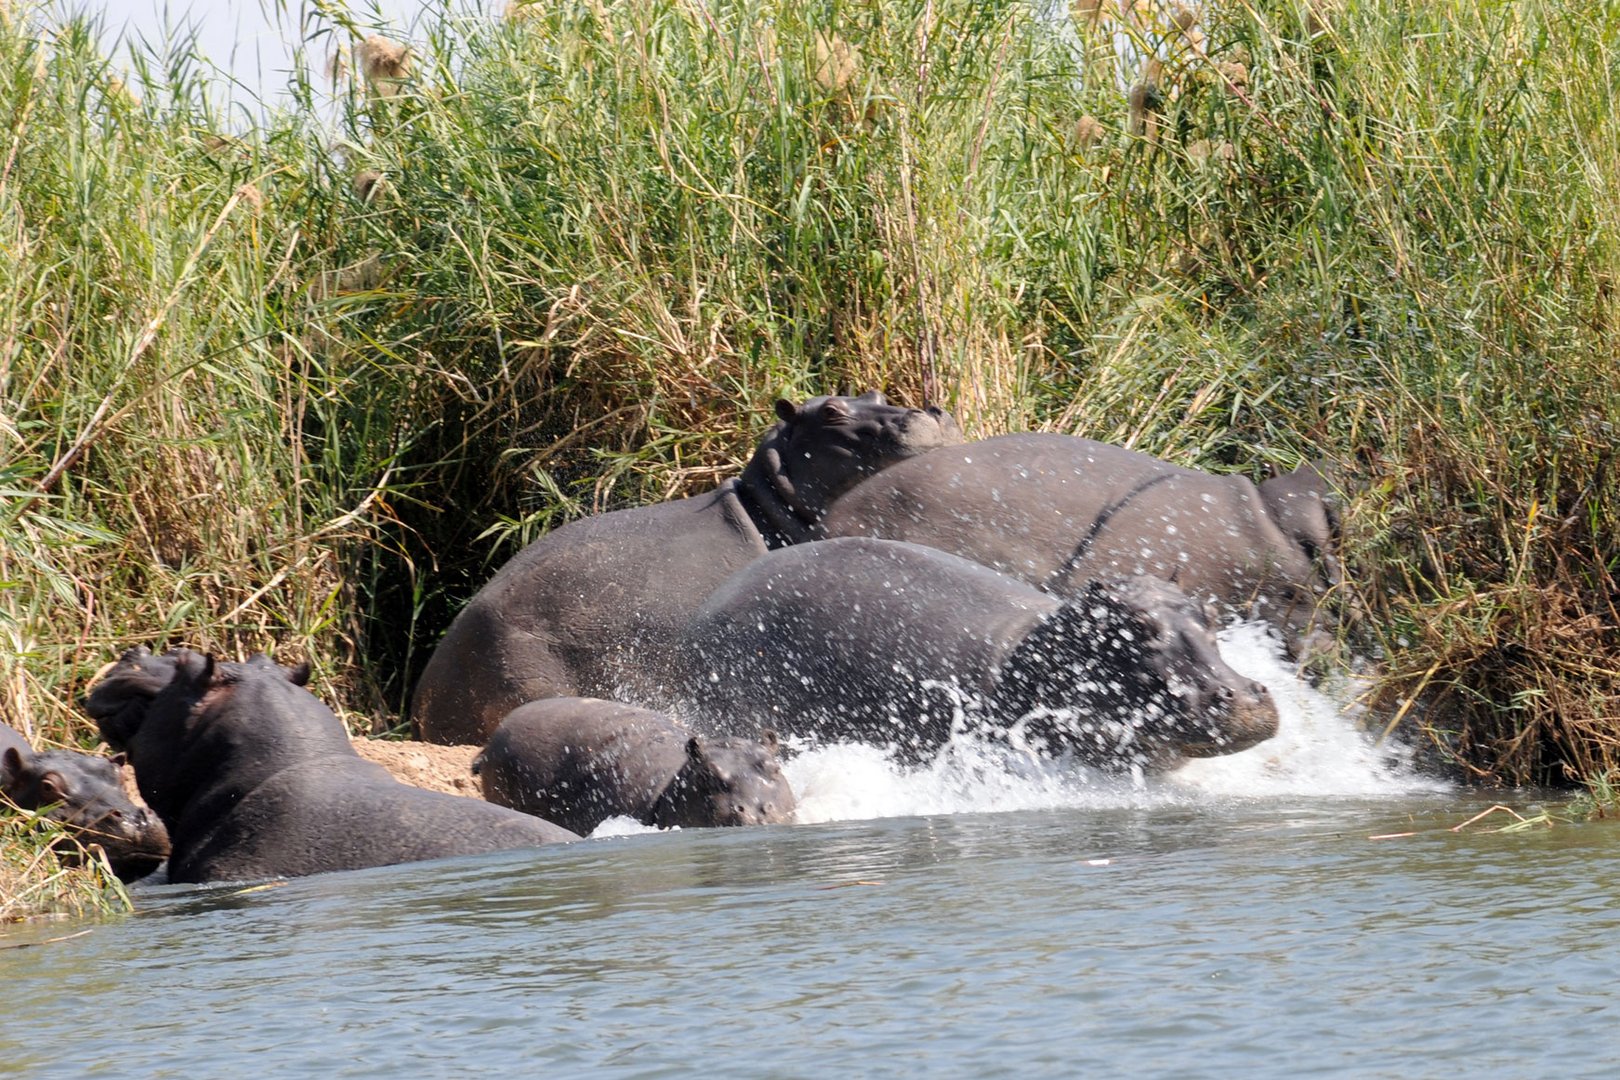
1225, 693
934, 411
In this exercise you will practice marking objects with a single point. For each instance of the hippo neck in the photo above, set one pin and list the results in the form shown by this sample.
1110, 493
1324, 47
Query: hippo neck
772, 503
1060, 661
673, 807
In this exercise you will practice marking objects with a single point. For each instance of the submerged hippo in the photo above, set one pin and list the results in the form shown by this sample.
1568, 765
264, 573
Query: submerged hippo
1060, 512
255, 777
580, 761
887, 642
83, 793
592, 608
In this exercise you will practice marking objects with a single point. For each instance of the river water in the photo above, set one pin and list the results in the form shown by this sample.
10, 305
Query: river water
1246, 916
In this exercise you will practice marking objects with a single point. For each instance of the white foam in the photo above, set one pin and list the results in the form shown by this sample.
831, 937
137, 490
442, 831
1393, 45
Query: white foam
1318, 750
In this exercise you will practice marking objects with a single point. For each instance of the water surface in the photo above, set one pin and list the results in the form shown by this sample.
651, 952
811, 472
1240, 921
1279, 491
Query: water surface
984, 918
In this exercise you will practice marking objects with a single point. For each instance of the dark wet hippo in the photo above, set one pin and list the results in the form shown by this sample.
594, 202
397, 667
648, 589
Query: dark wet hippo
580, 761
85, 795
591, 608
256, 778
1059, 512
880, 642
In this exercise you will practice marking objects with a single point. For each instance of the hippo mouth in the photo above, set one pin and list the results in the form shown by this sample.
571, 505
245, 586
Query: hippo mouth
134, 846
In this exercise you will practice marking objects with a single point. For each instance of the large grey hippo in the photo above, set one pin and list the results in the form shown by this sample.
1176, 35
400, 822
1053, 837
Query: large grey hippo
83, 793
592, 608
1060, 512
580, 761
889, 642
255, 777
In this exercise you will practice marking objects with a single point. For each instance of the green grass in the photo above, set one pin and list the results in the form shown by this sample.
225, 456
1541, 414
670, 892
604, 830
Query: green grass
34, 882
247, 403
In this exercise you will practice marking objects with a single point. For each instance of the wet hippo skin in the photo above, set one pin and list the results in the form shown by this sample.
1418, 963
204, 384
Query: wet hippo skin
883, 642
256, 778
1060, 512
580, 761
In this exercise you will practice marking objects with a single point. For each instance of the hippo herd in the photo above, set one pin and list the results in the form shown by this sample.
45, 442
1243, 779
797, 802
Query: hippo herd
869, 577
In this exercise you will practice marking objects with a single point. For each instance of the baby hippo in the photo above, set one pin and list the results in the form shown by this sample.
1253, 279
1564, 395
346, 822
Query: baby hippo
83, 793
580, 761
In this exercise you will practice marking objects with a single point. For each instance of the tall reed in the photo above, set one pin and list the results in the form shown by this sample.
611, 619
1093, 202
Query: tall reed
303, 383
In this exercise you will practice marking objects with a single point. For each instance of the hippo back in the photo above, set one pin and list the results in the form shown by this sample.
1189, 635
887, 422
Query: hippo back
1059, 512
593, 607
580, 761
903, 645
852, 639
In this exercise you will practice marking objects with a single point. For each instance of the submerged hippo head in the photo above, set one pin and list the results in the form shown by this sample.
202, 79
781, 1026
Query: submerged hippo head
821, 449
1130, 674
727, 781
83, 793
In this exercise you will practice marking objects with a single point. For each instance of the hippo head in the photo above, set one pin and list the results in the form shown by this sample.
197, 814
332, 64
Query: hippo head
1301, 503
727, 781
120, 700
180, 716
83, 793
1128, 674
122, 697
821, 449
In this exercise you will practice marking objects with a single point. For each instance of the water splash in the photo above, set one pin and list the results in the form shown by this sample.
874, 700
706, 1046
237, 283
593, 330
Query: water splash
1319, 750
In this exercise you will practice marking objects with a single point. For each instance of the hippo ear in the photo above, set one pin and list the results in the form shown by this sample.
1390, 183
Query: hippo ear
786, 411
134, 655
769, 740
694, 748
11, 763
299, 675
119, 759
200, 676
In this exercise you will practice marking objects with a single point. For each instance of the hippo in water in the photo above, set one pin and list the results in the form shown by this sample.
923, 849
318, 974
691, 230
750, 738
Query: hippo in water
888, 642
1060, 512
580, 761
256, 778
83, 793
592, 608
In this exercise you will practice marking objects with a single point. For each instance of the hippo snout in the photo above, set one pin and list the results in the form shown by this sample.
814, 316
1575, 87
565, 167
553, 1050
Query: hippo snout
1242, 715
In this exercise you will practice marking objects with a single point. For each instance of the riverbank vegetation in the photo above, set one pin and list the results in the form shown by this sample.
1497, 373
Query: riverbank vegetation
36, 879
302, 381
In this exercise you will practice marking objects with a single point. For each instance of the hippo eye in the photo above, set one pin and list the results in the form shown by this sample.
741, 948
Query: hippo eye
834, 413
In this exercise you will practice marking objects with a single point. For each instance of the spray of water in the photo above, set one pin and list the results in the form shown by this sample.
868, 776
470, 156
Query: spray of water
1319, 750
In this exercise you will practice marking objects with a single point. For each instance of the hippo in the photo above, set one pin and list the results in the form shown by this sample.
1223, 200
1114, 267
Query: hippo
1059, 512
84, 794
256, 778
899, 644
580, 761
592, 608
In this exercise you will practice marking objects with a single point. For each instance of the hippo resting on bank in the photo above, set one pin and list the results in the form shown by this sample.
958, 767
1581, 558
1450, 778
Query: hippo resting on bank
580, 761
1060, 512
255, 777
879, 641
593, 607
84, 794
